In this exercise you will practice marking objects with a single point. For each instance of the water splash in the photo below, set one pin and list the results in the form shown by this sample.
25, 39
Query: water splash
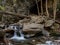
49, 42
16, 37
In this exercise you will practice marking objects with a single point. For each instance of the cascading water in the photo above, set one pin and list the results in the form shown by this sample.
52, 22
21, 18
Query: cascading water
21, 36
16, 37
49, 43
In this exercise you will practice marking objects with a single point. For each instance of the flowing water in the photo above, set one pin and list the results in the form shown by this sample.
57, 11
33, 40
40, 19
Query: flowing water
49, 43
16, 37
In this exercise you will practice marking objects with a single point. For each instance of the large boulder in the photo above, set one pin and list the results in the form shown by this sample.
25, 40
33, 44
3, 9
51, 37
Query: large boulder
33, 27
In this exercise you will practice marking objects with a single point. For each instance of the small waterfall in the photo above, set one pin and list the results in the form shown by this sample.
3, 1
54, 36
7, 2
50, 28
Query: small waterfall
21, 36
16, 37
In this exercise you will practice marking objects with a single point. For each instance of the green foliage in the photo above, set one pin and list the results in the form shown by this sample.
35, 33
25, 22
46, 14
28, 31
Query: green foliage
0, 1
2, 8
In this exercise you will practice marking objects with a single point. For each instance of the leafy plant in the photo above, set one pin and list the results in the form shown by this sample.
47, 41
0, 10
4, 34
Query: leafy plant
2, 8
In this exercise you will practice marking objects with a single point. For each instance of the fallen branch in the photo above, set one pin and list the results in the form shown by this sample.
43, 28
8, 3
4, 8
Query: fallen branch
13, 14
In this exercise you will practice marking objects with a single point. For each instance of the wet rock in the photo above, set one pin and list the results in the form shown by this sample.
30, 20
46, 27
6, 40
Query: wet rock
49, 23
45, 32
2, 26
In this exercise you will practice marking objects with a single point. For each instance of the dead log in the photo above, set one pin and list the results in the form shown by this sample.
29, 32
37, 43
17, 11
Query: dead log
13, 14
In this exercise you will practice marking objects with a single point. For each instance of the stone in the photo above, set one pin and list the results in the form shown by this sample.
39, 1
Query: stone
33, 26
49, 23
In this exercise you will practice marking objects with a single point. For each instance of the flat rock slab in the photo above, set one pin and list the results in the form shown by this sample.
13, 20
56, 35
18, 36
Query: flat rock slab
33, 27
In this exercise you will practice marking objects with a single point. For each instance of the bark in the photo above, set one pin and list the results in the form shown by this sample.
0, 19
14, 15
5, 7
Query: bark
54, 8
47, 9
41, 8
37, 7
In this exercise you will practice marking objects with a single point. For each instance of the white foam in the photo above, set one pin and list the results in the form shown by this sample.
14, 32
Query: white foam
49, 43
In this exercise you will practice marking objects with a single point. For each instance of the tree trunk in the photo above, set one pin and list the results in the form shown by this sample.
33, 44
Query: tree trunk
47, 9
37, 7
54, 8
41, 8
